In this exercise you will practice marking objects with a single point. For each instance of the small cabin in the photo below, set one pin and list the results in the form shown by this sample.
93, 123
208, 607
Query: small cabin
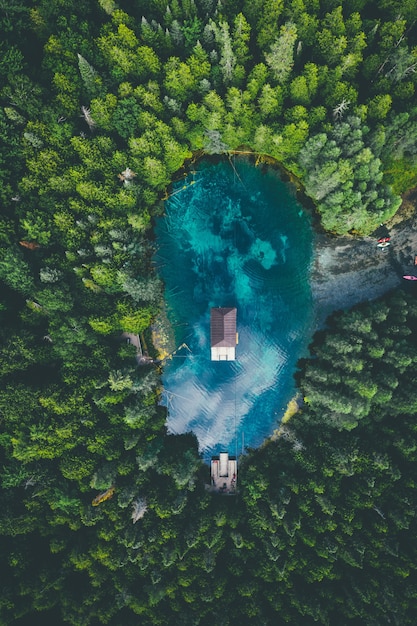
224, 474
223, 336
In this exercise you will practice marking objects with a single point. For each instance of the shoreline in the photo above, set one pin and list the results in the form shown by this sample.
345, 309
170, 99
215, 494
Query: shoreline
345, 270
349, 270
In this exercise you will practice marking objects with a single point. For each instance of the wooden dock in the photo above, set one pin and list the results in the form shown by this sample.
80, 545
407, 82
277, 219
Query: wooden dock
134, 339
223, 474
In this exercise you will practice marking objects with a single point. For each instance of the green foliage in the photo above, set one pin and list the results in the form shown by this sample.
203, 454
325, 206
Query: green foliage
14, 271
342, 175
366, 338
179, 80
89, 75
133, 320
227, 59
281, 57
100, 106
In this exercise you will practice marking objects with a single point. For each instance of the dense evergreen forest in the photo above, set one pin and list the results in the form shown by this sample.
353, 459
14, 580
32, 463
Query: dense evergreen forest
104, 517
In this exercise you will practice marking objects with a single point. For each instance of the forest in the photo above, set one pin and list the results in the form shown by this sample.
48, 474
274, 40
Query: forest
104, 516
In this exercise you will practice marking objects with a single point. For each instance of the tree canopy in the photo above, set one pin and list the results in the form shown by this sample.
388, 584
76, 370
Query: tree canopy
104, 516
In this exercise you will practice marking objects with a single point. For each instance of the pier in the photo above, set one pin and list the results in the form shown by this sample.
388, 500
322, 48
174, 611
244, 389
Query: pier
224, 474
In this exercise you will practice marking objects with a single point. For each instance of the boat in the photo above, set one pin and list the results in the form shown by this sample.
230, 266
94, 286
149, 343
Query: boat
383, 244
409, 277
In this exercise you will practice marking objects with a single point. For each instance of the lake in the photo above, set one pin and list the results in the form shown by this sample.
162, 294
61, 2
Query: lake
234, 235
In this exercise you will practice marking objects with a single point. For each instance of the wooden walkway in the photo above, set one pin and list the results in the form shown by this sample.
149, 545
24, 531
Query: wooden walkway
223, 474
141, 359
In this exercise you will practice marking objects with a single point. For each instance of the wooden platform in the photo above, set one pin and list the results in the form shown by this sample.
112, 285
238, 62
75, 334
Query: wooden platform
224, 474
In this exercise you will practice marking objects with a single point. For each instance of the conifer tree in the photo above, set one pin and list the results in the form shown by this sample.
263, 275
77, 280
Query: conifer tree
281, 56
227, 57
89, 75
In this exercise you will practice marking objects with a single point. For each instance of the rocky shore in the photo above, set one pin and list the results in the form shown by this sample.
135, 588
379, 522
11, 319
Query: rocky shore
350, 270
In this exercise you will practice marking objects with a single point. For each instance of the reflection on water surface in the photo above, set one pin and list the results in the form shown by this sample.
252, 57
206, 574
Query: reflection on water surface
235, 237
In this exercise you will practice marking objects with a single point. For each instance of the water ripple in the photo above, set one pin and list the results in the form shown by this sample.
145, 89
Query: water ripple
223, 243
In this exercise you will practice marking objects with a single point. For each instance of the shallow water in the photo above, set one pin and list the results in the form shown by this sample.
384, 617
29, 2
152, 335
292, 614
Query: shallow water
234, 235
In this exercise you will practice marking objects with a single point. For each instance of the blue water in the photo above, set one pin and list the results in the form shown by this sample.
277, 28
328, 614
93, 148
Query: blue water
234, 235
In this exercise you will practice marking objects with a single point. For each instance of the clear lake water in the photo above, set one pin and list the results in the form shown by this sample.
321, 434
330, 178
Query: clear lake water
234, 235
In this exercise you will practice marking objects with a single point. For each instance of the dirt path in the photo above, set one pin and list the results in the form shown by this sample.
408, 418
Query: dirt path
350, 270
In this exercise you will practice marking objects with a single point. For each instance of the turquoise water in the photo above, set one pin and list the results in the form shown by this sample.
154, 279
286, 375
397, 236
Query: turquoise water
234, 236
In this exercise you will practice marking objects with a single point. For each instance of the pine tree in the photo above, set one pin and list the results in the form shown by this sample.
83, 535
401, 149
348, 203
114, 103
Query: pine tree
227, 58
89, 75
281, 56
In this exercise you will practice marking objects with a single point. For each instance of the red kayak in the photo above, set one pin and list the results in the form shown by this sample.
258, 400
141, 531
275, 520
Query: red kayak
410, 277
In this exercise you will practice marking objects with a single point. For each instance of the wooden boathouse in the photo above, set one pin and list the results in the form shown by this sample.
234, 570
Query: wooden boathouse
224, 474
223, 336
